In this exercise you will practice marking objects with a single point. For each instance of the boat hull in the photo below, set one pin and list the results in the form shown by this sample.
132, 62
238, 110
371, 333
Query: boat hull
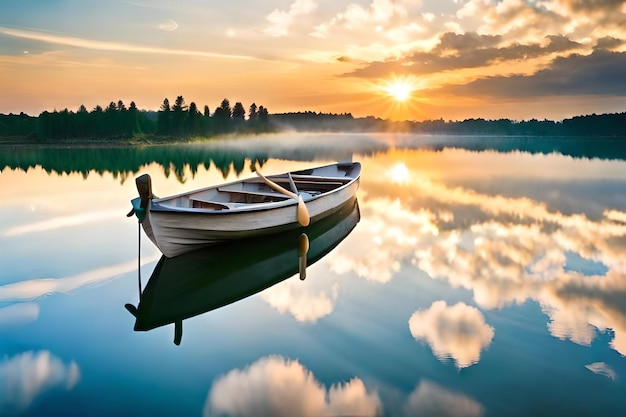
176, 232
204, 280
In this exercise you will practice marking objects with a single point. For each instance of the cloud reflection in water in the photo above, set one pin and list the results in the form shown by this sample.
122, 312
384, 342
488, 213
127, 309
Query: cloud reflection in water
34, 288
430, 400
505, 250
304, 305
26, 376
276, 386
62, 222
602, 368
18, 314
458, 332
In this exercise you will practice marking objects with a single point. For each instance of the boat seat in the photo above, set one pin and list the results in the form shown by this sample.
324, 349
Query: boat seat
248, 192
212, 205
317, 178
316, 182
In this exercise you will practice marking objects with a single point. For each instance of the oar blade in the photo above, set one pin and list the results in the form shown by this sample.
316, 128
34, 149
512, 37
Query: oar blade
303, 213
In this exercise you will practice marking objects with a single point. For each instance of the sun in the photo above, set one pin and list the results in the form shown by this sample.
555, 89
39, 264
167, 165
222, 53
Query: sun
398, 97
399, 89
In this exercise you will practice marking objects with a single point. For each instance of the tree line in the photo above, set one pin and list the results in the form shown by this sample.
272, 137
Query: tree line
117, 121
612, 124
181, 120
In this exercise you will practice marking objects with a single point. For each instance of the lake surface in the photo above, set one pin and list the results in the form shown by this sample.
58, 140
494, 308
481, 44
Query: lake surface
477, 277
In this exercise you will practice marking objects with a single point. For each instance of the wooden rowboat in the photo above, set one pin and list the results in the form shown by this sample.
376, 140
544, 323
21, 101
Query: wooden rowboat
247, 208
207, 279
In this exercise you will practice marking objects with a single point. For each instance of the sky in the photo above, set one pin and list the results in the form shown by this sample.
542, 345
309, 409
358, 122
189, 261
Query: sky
398, 60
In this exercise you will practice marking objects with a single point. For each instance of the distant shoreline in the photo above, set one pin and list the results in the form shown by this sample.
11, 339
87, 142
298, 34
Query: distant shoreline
69, 129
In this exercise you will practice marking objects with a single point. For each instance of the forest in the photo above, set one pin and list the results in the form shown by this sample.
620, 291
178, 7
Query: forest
605, 125
117, 121
178, 121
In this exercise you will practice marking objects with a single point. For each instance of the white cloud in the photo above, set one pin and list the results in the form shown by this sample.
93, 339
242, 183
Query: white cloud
503, 250
458, 332
19, 314
62, 222
280, 20
34, 288
292, 296
391, 235
276, 386
602, 368
430, 400
28, 375
169, 26
111, 46
300, 7
279, 23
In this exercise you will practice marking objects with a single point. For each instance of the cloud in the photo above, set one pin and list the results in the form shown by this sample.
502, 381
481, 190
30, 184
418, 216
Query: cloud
109, 46
276, 386
168, 26
430, 400
280, 21
608, 43
602, 368
26, 376
509, 48
379, 12
62, 222
35, 288
600, 73
504, 250
458, 332
594, 5
18, 314
461, 51
290, 296
388, 240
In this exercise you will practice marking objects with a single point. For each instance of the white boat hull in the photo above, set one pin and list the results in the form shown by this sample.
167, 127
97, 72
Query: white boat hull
178, 231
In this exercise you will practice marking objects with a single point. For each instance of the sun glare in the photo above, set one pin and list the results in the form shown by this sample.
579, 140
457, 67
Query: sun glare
399, 173
398, 97
399, 89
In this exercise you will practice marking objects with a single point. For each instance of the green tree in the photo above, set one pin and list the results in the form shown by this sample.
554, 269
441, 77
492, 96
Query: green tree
133, 119
206, 121
111, 117
97, 121
193, 119
225, 106
82, 122
164, 118
264, 118
239, 113
178, 115
222, 117
252, 113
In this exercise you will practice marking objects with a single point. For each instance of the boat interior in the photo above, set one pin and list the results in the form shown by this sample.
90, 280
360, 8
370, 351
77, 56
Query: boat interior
254, 192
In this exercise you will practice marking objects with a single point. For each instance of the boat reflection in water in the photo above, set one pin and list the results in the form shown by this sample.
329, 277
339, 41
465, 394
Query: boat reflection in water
204, 280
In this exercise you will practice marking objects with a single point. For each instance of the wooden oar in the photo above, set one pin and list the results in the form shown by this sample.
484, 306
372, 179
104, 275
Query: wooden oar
303, 213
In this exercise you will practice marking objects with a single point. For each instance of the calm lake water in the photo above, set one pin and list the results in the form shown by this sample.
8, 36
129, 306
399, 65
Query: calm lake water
475, 277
